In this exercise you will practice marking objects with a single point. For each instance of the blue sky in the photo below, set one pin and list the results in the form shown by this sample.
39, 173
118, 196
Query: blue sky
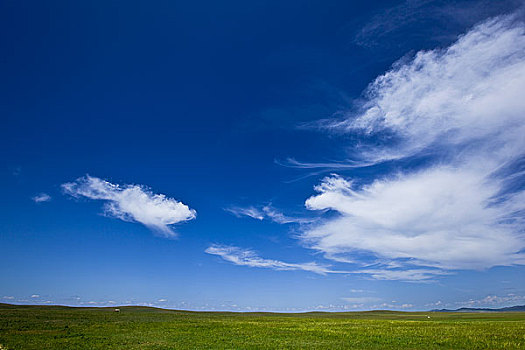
283, 156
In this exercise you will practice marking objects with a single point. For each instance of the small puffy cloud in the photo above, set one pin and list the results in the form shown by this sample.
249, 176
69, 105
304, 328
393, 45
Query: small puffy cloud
134, 203
8, 297
247, 257
35, 296
42, 197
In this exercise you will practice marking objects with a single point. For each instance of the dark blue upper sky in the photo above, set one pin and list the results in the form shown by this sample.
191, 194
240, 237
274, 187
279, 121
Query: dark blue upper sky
205, 102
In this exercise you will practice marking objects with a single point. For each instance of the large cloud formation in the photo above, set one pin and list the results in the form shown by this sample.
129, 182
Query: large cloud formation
133, 203
460, 110
469, 93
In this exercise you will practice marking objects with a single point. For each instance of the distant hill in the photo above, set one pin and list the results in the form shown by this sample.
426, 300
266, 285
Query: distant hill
520, 308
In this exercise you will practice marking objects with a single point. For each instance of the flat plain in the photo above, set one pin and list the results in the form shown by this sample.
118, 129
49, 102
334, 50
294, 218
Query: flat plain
60, 327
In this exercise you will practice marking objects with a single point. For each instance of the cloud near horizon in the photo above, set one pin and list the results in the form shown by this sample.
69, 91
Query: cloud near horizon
133, 203
462, 110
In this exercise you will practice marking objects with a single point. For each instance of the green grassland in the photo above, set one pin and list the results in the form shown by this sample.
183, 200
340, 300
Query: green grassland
58, 327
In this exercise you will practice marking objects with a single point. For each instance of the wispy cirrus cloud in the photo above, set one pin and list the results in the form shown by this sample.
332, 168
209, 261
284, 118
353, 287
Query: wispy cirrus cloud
449, 98
460, 109
401, 273
375, 303
361, 300
134, 203
390, 26
247, 257
250, 212
41, 197
267, 212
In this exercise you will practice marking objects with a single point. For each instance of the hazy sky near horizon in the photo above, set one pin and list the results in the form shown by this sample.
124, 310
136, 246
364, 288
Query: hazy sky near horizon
283, 155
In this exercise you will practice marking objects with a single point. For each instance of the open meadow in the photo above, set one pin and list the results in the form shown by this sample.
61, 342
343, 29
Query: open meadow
57, 327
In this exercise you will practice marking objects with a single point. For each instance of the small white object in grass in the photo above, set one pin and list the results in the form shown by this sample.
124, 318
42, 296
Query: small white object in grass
117, 310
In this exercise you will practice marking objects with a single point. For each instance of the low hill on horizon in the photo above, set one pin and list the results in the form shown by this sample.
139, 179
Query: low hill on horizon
516, 308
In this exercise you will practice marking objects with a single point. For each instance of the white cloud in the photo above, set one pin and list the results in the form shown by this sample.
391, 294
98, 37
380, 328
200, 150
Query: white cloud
42, 197
466, 93
409, 20
439, 217
34, 296
251, 212
8, 297
266, 212
407, 275
278, 217
464, 107
246, 257
435, 304
489, 301
494, 301
133, 203
362, 300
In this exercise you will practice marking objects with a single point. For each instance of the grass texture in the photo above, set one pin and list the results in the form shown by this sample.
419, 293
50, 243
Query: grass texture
58, 327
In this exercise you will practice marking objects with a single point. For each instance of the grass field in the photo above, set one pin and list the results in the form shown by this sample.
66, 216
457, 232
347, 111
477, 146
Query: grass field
56, 327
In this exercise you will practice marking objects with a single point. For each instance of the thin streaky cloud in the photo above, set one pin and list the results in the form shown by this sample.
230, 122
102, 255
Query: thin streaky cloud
406, 275
247, 257
41, 197
251, 212
361, 300
391, 24
348, 164
267, 212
